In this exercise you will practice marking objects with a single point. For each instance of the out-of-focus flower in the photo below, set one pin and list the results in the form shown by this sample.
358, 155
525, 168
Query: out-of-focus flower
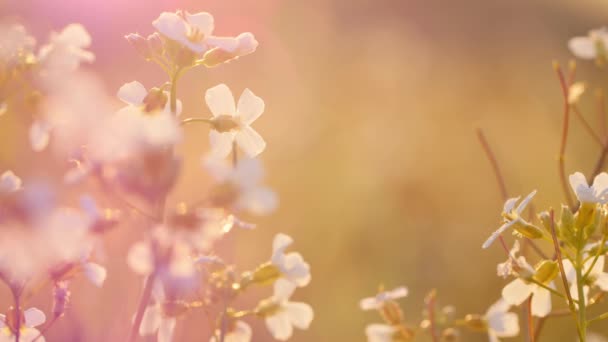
291, 265
594, 337
517, 291
596, 193
378, 301
155, 320
238, 331
190, 30
66, 50
232, 122
40, 135
514, 264
14, 42
388, 333
512, 217
597, 276
240, 187
592, 46
229, 48
575, 92
501, 322
95, 273
31, 318
9, 182
281, 315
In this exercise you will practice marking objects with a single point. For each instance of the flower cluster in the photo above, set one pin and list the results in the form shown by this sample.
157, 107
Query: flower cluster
130, 152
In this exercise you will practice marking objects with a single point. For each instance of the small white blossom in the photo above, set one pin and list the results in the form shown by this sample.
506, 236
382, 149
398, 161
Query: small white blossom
287, 315
66, 49
597, 276
95, 273
511, 216
590, 46
190, 30
9, 182
517, 291
239, 331
229, 48
155, 320
246, 177
232, 122
378, 301
596, 193
14, 40
513, 263
292, 266
381, 332
27, 333
501, 322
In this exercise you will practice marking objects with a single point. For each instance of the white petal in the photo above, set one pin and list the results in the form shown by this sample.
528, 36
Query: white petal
241, 333
250, 141
379, 333
296, 269
517, 291
506, 325
203, 21
602, 281
279, 244
500, 307
300, 314
95, 273
259, 201
132, 93
166, 329
397, 293
600, 183
221, 143
597, 269
28, 335
250, 107
541, 302
171, 25
151, 320
220, 100
9, 182
140, 258
510, 204
582, 47
39, 134
279, 326
579, 185
34, 317
497, 233
369, 303
569, 270
283, 289
524, 202
76, 35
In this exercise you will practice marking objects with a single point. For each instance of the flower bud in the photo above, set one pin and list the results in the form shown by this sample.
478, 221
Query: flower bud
546, 271
528, 230
139, 43
155, 44
585, 215
265, 274
545, 219
450, 335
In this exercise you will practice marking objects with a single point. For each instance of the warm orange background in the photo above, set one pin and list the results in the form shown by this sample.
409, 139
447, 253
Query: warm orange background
371, 110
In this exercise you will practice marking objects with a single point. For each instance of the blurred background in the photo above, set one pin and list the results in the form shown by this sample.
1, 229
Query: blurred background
371, 110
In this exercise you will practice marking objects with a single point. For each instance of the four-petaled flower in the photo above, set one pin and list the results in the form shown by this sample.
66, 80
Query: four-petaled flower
517, 291
596, 277
291, 265
512, 216
232, 123
190, 30
378, 301
501, 322
284, 315
596, 193
32, 318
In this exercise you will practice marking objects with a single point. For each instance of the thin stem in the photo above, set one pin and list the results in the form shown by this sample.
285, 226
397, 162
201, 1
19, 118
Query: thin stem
495, 167
191, 120
597, 256
558, 253
554, 291
141, 308
601, 112
599, 164
173, 92
16, 299
599, 318
564, 140
235, 156
587, 126
46, 328
431, 311
530, 320
582, 308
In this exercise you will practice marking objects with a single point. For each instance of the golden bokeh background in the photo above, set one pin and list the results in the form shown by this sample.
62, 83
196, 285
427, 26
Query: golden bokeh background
371, 110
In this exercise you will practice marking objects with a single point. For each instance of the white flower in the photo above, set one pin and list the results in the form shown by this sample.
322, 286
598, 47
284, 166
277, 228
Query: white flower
9, 182
238, 332
135, 94
597, 276
590, 46
382, 332
40, 135
229, 48
190, 30
246, 177
517, 291
95, 273
27, 333
292, 265
513, 264
154, 319
232, 122
286, 315
66, 49
14, 40
511, 216
378, 301
596, 193
501, 323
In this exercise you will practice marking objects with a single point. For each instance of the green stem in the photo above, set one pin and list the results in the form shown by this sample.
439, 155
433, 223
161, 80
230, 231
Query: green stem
554, 291
582, 309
